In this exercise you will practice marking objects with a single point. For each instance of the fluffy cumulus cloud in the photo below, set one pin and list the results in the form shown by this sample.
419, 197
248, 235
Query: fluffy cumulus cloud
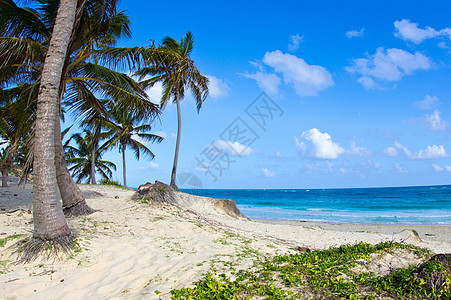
434, 122
217, 87
355, 33
387, 65
429, 102
322, 145
410, 31
233, 148
267, 173
391, 152
295, 42
266, 81
431, 152
307, 79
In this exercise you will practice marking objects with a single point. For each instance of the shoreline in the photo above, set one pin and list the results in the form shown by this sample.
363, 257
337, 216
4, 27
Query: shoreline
429, 232
129, 249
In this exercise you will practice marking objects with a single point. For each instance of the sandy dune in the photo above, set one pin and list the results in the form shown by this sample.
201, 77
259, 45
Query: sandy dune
130, 250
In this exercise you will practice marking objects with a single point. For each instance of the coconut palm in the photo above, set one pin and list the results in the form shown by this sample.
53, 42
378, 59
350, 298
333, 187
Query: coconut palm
79, 158
122, 130
50, 226
178, 73
85, 70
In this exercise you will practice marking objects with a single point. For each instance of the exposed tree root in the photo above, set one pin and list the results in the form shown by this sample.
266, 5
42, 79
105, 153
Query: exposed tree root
79, 209
30, 249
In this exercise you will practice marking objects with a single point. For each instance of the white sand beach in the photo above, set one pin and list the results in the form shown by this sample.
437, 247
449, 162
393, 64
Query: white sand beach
130, 250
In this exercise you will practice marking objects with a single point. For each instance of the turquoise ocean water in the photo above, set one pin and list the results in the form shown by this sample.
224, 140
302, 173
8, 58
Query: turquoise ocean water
397, 205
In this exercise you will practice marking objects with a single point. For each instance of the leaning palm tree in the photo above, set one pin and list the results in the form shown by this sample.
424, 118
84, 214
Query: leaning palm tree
79, 158
122, 130
177, 73
50, 226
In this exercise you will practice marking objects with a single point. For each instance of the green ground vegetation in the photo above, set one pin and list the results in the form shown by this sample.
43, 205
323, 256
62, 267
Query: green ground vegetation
327, 274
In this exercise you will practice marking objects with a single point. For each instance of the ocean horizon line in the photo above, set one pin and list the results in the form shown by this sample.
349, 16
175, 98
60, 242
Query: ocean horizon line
326, 188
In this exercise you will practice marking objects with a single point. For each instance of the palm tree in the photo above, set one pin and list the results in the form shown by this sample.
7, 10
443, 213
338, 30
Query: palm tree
98, 26
177, 73
79, 158
121, 131
50, 226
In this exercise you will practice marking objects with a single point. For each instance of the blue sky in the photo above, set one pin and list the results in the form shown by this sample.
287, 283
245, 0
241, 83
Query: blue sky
356, 94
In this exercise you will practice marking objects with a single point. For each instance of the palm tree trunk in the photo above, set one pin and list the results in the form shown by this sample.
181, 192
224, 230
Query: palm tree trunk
93, 152
74, 202
50, 226
4, 178
177, 144
5, 166
123, 166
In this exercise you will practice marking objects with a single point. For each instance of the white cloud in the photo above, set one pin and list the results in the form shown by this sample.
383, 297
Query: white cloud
295, 42
323, 146
370, 164
443, 45
279, 154
355, 33
233, 148
153, 165
217, 87
358, 150
387, 65
431, 152
400, 169
300, 144
391, 152
155, 93
203, 167
307, 79
434, 122
162, 134
437, 168
410, 31
267, 173
266, 81
150, 166
368, 83
403, 148
429, 102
